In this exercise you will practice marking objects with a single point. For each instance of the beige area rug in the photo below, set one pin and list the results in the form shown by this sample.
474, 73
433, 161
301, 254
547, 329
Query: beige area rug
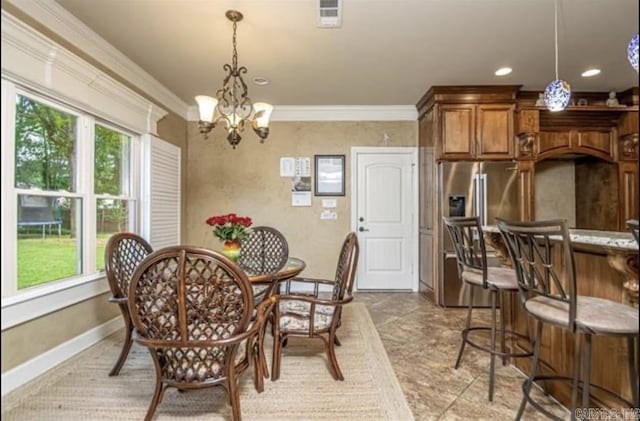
80, 389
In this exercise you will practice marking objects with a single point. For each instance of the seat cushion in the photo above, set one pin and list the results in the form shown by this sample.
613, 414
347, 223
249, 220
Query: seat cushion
497, 277
294, 316
594, 315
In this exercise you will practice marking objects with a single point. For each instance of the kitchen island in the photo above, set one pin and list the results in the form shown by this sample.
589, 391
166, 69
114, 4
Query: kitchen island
606, 265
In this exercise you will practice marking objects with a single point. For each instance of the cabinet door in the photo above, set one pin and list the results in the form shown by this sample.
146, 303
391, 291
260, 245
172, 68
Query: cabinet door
495, 135
457, 137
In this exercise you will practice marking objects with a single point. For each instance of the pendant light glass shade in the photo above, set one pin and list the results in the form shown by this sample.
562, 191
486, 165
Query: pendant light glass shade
632, 52
557, 95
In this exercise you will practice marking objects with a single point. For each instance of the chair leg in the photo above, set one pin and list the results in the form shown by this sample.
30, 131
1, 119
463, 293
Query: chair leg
576, 375
333, 361
503, 339
336, 341
258, 377
534, 368
633, 370
492, 365
276, 357
586, 381
126, 347
465, 332
155, 401
234, 400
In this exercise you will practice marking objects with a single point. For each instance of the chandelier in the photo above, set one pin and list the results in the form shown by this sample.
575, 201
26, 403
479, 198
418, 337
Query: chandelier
232, 105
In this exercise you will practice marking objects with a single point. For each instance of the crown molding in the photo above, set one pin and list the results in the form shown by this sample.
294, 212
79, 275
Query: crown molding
335, 113
36, 62
59, 20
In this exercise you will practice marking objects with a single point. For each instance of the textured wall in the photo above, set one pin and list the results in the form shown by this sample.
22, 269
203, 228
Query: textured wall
556, 191
247, 181
25, 341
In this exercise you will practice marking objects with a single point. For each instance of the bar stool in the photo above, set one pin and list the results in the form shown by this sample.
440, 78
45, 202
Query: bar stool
468, 240
547, 300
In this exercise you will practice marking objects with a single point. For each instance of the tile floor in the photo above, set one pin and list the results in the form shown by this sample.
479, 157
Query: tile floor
422, 342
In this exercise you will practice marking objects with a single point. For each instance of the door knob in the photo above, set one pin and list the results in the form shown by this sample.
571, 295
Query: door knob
362, 229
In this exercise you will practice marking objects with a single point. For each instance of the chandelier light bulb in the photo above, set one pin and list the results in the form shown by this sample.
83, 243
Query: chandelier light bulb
557, 95
632, 52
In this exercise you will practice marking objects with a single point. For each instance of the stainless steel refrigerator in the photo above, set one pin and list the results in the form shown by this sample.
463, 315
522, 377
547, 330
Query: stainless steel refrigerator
484, 189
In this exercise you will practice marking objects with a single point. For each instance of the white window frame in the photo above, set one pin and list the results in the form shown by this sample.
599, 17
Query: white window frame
19, 306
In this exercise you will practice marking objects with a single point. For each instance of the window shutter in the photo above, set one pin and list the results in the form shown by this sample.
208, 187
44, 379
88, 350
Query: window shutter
161, 204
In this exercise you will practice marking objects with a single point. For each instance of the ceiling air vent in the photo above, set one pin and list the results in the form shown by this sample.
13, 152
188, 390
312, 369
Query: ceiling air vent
329, 13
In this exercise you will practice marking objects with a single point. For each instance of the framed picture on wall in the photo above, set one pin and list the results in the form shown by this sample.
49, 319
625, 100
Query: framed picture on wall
329, 179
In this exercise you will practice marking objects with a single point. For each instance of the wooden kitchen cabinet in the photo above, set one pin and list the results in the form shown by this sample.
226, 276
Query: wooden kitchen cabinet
482, 131
494, 132
457, 135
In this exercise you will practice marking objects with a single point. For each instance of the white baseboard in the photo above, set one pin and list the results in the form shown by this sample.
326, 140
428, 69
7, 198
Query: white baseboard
36, 366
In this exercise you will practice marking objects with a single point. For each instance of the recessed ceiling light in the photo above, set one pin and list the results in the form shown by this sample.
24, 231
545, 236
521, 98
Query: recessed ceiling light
590, 72
260, 80
503, 71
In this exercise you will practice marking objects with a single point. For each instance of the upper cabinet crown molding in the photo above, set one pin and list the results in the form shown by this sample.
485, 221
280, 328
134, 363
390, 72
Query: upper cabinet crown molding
36, 62
58, 20
468, 94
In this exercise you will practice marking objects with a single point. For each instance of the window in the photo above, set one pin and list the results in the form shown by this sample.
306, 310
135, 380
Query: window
74, 185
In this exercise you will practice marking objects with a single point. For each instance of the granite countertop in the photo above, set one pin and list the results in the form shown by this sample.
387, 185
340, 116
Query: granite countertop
606, 239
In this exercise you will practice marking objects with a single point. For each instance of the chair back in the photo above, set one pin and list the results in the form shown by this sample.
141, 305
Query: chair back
632, 224
265, 250
531, 248
468, 243
123, 254
346, 268
190, 305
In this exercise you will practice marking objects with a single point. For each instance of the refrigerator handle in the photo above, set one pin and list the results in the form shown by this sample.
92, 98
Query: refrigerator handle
476, 195
483, 188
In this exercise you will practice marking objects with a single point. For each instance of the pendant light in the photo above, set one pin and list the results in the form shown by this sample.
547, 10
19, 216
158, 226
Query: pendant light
558, 93
632, 52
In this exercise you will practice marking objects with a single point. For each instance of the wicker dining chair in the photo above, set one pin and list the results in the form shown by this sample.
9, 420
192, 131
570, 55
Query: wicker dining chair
308, 314
123, 254
264, 251
547, 299
193, 309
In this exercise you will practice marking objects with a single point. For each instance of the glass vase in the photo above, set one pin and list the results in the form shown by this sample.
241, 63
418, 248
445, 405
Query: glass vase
231, 249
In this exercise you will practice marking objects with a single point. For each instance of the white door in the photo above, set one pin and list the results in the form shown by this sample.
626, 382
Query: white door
384, 219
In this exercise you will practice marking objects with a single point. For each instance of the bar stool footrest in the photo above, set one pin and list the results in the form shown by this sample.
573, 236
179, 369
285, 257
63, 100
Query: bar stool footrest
508, 333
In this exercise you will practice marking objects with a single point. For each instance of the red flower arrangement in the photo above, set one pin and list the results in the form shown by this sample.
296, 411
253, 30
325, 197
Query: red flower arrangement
231, 227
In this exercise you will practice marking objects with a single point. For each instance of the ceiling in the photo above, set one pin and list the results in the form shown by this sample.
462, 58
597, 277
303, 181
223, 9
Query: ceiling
387, 52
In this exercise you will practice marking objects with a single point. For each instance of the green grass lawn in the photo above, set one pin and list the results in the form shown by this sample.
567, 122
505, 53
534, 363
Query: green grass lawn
42, 260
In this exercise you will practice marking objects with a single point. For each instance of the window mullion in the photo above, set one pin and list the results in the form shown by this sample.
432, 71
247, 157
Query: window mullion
85, 187
9, 236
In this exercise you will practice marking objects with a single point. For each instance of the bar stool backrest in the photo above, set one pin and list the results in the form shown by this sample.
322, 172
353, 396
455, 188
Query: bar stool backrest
531, 247
468, 242
633, 227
